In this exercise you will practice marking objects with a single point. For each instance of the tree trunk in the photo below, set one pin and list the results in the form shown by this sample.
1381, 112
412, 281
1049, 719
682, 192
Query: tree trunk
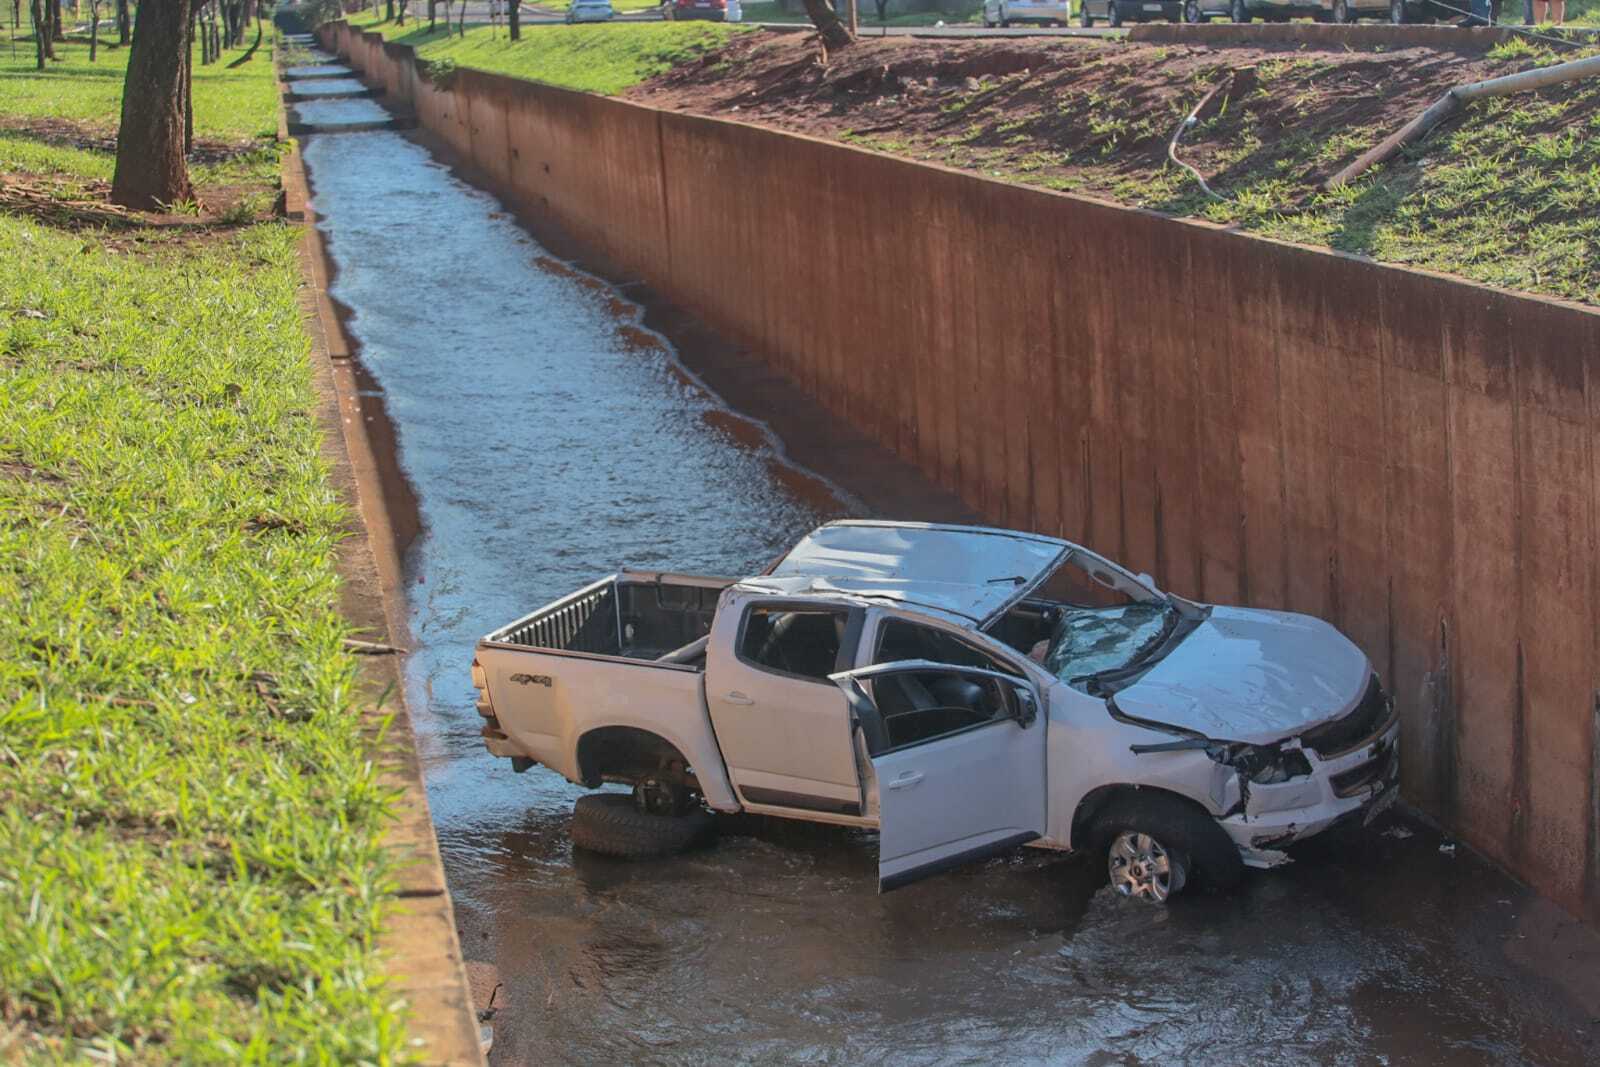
41, 40
432, 13
461, 23
151, 169
94, 28
124, 23
388, 10
834, 33
514, 19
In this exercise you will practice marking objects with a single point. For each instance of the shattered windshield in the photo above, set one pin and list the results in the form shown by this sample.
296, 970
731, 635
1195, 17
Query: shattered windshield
1091, 641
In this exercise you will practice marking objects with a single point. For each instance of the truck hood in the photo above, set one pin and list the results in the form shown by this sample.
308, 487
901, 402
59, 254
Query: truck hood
1254, 676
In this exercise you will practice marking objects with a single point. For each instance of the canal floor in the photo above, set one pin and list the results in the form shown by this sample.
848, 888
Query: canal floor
549, 439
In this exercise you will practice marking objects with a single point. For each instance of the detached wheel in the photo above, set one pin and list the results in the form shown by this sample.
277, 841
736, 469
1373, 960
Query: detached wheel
1191, 12
1239, 11
1155, 845
1341, 12
613, 824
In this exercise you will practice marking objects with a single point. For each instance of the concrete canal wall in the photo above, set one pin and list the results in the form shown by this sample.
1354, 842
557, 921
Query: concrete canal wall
1408, 455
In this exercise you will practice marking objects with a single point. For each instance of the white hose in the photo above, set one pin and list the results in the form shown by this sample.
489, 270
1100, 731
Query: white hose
1451, 102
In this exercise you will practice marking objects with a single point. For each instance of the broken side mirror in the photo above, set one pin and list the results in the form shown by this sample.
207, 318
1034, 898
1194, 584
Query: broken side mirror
1024, 705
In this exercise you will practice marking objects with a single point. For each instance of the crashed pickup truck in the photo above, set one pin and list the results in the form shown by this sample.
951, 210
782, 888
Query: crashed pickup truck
961, 690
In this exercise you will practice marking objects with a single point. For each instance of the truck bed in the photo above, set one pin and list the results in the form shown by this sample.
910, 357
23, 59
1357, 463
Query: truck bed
633, 615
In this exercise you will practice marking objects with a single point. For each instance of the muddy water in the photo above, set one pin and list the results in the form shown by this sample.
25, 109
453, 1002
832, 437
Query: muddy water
550, 439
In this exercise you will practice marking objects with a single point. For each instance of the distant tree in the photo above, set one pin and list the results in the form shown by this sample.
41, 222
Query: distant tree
94, 28
124, 23
514, 18
151, 170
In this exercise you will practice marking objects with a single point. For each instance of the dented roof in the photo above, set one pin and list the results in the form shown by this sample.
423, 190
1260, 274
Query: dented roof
970, 572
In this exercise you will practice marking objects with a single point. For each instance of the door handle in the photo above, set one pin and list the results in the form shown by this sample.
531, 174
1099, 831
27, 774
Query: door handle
737, 697
906, 780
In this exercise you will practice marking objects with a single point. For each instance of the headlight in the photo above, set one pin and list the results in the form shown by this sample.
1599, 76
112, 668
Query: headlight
1269, 766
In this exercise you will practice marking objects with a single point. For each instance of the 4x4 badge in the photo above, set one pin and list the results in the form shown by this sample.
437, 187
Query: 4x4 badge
533, 679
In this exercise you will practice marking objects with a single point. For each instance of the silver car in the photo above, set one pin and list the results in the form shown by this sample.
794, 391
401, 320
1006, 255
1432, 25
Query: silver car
1041, 12
590, 11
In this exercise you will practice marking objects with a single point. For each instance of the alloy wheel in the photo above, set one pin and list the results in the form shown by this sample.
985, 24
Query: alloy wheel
1142, 868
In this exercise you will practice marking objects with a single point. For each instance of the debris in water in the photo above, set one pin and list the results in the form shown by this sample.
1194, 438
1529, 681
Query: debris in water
1448, 848
1399, 833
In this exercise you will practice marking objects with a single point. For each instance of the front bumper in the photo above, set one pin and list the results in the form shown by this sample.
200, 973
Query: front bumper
1356, 784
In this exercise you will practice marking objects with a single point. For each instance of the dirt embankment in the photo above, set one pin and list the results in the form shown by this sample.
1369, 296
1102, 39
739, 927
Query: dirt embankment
1077, 114
1503, 194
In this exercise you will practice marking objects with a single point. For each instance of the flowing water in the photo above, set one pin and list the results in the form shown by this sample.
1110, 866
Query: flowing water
550, 439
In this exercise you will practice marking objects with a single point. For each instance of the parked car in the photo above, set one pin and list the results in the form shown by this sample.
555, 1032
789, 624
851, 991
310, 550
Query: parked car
589, 11
1040, 12
963, 691
715, 10
1117, 12
1396, 11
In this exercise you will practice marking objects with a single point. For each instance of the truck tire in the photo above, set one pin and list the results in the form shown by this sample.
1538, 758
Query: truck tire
612, 825
1200, 853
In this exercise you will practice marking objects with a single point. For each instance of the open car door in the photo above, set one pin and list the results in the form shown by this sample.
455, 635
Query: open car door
959, 758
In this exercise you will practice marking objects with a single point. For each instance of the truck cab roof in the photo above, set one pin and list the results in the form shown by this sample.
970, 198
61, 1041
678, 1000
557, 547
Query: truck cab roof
968, 574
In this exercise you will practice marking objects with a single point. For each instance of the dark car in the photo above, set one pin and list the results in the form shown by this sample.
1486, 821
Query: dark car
1117, 12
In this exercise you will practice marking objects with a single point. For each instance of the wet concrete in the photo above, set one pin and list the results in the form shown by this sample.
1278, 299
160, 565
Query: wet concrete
317, 70
330, 87
333, 113
550, 437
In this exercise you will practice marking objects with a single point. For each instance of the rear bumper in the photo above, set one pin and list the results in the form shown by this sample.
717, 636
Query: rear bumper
1150, 10
1356, 785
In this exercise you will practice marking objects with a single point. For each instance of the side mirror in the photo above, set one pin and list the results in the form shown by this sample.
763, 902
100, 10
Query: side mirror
1024, 706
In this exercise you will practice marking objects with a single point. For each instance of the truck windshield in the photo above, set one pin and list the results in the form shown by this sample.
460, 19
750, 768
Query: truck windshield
1089, 641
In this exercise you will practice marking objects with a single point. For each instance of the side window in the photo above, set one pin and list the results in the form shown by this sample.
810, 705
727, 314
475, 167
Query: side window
900, 640
914, 706
801, 642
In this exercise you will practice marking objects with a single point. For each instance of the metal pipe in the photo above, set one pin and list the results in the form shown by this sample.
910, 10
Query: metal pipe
1451, 102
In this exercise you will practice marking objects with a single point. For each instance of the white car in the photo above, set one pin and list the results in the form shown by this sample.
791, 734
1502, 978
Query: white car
590, 11
961, 690
1043, 12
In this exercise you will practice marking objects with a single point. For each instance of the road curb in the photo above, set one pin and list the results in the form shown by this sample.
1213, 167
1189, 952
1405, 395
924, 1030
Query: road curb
1323, 36
422, 955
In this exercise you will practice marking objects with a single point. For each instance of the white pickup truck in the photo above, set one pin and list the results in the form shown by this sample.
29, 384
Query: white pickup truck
962, 691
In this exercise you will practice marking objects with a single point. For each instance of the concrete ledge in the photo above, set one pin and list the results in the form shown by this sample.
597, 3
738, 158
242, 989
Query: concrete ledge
1361, 36
301, 129
422, 955
354, 94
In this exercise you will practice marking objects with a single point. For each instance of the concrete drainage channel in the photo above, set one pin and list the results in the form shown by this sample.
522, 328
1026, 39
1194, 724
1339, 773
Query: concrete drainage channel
550, 434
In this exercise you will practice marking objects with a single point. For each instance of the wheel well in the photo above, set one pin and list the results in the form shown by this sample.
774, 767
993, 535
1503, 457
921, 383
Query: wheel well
628, 754
1101, 799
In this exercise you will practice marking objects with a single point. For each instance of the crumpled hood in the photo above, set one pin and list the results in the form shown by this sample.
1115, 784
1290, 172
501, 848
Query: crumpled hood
1255, 676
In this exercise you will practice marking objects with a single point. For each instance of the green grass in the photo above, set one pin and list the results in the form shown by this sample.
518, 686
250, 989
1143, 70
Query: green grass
596, 59
190, 866
235, 105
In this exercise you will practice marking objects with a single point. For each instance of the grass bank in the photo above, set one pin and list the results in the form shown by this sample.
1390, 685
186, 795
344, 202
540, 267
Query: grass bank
190, 859
595, 59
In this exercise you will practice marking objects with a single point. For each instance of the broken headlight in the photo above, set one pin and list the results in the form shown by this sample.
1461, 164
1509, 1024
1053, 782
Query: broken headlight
1269, 765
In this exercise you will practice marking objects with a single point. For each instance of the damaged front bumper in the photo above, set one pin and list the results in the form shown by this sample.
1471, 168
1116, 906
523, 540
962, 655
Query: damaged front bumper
1359, 783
